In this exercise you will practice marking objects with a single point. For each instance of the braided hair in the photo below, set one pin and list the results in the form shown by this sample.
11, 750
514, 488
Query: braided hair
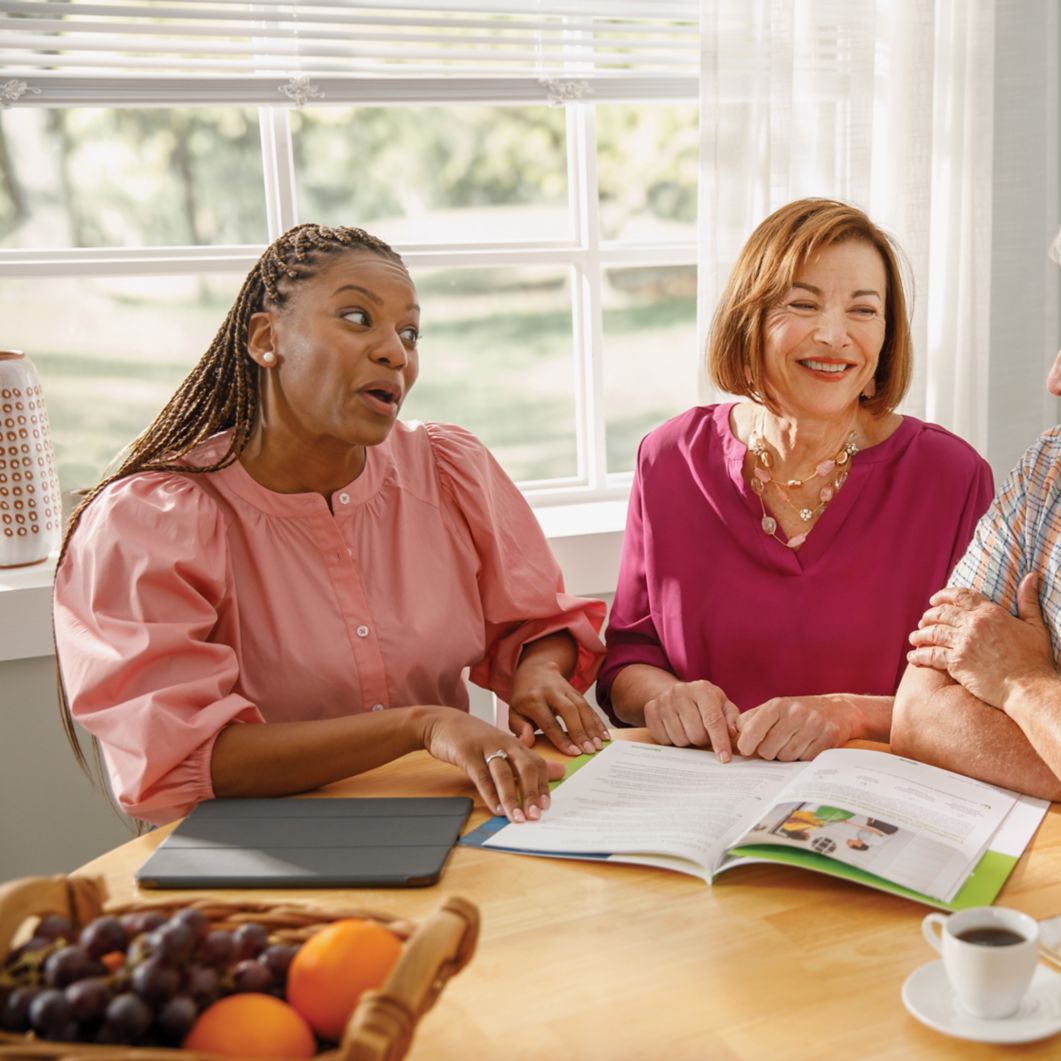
222, 392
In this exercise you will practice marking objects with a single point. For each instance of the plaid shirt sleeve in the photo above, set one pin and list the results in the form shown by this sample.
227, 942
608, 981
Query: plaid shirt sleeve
1021, 532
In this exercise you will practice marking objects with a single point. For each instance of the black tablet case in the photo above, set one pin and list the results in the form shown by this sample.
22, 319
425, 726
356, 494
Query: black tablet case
311, 843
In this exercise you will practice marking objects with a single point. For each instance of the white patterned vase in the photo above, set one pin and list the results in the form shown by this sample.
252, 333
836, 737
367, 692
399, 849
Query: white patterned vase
30, 506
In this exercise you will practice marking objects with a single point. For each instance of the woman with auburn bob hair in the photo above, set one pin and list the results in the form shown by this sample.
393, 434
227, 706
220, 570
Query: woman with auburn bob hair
779, 549
283, 585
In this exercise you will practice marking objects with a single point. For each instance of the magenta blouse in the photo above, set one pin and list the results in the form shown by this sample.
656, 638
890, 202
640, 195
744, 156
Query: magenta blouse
704, 593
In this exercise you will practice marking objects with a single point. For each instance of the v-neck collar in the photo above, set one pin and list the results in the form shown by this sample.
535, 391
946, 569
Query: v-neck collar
775, 553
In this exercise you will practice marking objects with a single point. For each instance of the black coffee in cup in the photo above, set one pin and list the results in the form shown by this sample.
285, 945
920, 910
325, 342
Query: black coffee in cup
990, 936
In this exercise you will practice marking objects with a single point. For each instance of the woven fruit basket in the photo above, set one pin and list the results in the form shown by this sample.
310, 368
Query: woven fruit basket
382, 1025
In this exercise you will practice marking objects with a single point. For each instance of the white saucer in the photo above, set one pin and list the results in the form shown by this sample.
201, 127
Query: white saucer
927, 994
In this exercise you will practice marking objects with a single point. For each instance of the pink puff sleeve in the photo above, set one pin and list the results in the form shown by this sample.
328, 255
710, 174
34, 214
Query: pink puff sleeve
520, 584
142, 609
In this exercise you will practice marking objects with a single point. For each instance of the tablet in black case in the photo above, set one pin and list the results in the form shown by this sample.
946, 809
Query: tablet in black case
311, 843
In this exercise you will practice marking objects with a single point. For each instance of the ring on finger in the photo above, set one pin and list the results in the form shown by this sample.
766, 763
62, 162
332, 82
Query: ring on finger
499, 754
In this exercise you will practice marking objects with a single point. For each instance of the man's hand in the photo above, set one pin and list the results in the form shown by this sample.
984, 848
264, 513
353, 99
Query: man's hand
980, 645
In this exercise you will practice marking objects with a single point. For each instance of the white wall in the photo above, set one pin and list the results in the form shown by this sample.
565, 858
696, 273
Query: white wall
51, 818
1026, 213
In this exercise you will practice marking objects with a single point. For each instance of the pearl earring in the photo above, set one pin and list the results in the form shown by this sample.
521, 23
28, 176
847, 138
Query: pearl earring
268, 357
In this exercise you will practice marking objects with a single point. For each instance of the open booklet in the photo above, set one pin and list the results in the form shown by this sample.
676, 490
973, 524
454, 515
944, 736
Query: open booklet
875, 818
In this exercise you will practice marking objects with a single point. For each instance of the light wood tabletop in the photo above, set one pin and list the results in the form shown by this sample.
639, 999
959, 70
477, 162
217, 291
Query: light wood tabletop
579, 960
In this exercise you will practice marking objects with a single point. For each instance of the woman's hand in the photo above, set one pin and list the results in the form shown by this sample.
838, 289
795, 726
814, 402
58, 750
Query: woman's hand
515, 783
981, 645
694, 713
788, 728
541, 695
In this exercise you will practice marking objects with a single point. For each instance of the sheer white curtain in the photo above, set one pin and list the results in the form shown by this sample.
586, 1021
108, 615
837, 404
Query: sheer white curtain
887, 104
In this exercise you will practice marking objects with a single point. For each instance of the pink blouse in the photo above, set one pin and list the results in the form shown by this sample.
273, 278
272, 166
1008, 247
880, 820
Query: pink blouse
189, 602
704, 593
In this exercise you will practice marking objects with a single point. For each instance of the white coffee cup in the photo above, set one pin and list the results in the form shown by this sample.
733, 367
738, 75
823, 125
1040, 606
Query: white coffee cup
989, 955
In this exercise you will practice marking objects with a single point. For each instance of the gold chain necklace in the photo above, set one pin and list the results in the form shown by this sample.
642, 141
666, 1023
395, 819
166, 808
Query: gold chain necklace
762, 479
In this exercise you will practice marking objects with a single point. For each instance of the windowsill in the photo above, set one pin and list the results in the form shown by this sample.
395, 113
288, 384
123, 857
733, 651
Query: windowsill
582, 519
26, 610
587, 539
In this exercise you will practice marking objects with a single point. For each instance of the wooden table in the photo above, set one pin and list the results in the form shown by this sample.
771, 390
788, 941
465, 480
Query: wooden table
579, 961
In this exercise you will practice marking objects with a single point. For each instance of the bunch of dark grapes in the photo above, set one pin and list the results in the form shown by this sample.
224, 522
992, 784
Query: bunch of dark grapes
138, 979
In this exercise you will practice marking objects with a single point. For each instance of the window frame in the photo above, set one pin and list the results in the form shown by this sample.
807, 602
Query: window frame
585, 254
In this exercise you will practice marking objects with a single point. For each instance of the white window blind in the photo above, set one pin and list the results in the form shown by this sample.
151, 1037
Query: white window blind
70, 52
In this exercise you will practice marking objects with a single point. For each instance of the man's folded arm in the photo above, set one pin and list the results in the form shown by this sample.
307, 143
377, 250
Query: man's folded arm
938, 721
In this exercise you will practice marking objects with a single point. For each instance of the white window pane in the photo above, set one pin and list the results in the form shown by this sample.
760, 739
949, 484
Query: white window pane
647, 158
110, 352
455, 174
92, 177
495, 357
650, 353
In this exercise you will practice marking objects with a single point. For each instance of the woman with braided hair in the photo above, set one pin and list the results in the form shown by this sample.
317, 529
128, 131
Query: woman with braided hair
277, 548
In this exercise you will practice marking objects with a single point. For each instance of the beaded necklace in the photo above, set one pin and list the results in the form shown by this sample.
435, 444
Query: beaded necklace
762, 479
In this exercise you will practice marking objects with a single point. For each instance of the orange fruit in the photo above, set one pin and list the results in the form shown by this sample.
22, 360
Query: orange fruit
335, 966
251, 1025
